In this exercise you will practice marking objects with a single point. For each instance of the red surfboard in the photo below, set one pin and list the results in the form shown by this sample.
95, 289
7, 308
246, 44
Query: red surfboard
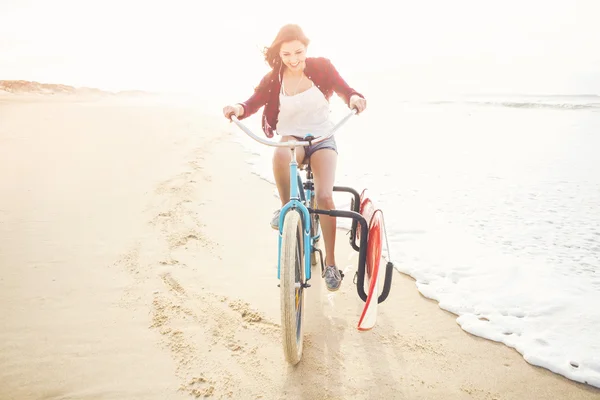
374, 248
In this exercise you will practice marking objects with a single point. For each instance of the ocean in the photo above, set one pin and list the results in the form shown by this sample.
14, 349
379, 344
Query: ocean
492, 204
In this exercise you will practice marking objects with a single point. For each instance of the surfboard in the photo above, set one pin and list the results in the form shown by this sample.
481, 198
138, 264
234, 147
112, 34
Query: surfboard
368, 317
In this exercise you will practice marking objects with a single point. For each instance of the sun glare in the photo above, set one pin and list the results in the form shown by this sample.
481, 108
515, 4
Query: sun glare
187, 46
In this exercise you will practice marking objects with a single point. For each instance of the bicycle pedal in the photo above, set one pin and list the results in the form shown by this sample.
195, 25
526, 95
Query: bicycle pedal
304, 285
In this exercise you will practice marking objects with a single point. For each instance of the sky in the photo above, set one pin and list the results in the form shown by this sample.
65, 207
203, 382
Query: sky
403, 47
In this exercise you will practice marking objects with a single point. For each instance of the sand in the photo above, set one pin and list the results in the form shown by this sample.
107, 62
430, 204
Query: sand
135, 264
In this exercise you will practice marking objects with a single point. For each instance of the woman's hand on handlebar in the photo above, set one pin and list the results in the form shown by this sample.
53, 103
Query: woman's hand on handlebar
357, 103
236, 110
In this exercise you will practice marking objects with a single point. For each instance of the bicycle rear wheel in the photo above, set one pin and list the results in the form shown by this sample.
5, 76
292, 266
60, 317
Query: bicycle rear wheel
292, 278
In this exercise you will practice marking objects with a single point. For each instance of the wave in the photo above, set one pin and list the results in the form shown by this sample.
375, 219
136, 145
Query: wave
560, 106
525, 104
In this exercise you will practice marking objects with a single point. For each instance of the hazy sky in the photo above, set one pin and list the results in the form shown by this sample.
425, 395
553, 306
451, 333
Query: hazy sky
406, 46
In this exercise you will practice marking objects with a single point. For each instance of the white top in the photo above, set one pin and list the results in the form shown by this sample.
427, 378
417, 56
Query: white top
304, 113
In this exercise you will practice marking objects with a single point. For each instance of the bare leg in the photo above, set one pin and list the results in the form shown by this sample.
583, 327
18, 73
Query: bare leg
323, 163
281, 168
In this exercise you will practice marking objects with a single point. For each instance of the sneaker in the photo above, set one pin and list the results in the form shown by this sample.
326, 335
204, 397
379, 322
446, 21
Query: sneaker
275, 220
333, 278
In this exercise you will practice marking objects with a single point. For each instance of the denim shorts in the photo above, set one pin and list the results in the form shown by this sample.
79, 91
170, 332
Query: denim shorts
328, 143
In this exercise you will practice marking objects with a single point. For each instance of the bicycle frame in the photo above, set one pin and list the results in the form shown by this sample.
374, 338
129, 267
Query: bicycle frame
297, 199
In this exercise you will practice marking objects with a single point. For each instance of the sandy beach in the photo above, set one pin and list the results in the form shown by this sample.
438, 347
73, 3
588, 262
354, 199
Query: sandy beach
132, 266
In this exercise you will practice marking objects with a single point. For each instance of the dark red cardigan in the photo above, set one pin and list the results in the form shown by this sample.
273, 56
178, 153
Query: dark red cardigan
319, 70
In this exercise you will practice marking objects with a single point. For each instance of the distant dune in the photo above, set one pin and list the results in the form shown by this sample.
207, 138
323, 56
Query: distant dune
21, 86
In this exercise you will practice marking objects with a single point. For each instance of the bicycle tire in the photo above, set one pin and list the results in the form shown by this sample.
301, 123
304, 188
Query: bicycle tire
292, 277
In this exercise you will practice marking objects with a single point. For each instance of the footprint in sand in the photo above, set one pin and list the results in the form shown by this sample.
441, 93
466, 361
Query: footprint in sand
172, 283
200, 387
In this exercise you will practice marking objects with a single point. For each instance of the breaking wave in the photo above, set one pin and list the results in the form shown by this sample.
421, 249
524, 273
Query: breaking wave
566, 102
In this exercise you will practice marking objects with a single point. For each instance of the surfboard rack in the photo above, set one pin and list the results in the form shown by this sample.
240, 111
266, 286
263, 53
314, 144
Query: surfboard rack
368, 228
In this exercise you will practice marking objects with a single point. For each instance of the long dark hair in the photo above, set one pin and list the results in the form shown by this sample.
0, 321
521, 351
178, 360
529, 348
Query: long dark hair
287, 33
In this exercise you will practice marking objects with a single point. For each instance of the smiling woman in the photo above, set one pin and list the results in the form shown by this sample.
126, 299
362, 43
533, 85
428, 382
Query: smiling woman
295, 94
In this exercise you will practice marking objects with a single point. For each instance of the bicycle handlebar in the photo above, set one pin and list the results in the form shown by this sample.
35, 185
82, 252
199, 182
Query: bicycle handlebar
292, 143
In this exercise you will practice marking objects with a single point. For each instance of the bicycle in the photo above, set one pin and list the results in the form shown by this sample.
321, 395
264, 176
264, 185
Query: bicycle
299, 231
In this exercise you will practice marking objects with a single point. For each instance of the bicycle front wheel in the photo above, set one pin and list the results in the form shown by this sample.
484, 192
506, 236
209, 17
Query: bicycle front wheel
292, 278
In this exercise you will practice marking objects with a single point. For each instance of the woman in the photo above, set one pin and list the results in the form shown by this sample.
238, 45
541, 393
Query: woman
295, 95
